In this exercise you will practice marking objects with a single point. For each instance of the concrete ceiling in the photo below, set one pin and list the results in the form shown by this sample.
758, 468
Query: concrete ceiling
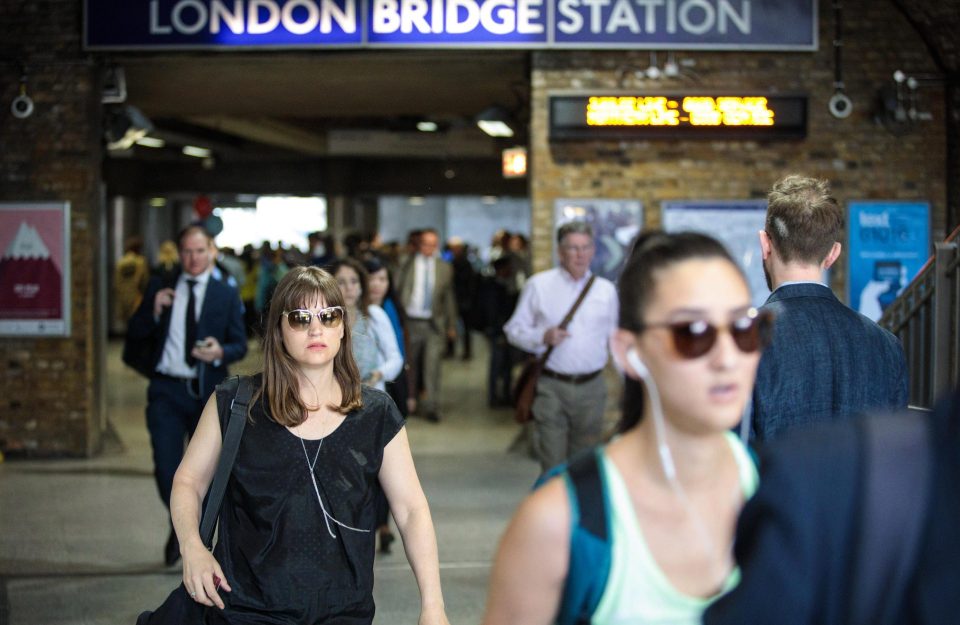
331, 103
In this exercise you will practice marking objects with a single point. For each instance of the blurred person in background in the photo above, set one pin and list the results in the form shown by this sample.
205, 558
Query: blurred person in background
130, 278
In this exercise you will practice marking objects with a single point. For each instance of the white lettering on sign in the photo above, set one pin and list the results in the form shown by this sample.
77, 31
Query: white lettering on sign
457, 17
875, 220
259, 17
696, 17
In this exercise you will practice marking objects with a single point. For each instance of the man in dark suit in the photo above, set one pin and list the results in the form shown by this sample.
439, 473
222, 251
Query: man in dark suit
800, 540
826, 361
193, 327
425, 284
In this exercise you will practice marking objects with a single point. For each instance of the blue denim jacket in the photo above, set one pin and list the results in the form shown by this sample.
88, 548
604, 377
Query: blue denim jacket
826, 362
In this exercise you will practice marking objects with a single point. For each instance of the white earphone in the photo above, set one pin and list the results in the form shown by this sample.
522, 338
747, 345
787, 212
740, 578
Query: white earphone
633, 358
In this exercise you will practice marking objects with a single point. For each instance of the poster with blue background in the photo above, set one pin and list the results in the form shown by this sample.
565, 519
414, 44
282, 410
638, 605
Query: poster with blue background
888, 243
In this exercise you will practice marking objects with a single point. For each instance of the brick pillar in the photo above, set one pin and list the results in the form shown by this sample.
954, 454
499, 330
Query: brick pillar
50, 388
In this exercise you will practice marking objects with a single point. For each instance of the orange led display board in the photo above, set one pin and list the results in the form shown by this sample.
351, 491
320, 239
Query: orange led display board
690, 116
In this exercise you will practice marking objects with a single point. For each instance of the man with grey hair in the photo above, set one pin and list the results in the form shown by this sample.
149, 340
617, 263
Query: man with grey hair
826, 361
571, 393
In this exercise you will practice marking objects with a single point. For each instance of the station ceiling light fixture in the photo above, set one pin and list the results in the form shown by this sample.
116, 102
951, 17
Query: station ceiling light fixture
496, 122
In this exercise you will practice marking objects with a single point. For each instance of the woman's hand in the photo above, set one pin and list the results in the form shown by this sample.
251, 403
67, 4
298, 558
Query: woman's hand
202, 576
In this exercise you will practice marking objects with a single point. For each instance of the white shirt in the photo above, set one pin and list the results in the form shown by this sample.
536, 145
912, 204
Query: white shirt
172, 361
423, 266
390, 362
546, 298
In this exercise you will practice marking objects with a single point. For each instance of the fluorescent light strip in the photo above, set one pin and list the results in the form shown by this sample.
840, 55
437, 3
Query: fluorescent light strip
495, 128
192, 150
151, 142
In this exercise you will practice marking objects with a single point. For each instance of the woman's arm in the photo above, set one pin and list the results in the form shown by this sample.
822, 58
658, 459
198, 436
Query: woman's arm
190, 484
532, 561
391, 362
400, 483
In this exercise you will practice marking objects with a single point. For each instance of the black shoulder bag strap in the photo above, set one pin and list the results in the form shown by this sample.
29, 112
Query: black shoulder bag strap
569, 317
896, 493
228, 453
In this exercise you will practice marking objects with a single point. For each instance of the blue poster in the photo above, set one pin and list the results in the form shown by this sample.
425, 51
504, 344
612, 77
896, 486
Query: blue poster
888, 244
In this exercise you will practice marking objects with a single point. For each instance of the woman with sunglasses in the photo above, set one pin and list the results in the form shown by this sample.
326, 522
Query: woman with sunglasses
296, 535
673, 480
375, 346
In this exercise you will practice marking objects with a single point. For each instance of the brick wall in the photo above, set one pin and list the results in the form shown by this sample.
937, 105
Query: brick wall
863, 160
49, 398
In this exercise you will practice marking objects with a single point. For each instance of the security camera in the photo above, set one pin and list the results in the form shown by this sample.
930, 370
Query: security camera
840, 105
22, 107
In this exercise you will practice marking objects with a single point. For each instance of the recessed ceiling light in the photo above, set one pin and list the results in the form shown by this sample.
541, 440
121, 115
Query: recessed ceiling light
192, 150
151, 142
427, 126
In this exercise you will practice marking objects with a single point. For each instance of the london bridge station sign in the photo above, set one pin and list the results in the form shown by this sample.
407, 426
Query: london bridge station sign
532, 24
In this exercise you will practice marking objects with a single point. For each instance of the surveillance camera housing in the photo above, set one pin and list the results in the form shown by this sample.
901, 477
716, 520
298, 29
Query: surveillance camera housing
22, 107
840, 105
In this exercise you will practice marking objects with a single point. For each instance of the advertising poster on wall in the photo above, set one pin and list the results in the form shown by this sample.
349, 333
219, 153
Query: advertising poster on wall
615, 224
35, 269
733, 222
888, 244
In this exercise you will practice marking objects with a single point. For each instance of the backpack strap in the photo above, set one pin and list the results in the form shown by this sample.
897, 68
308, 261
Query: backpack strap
239, 390
896, 493
590, 539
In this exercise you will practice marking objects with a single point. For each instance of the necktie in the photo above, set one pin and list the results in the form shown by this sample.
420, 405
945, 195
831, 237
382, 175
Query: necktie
427, 287
190, 336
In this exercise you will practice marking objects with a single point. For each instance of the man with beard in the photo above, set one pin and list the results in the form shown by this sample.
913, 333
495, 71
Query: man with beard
826, 361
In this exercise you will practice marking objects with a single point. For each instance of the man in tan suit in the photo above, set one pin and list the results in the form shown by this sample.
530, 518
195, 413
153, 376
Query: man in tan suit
426, 292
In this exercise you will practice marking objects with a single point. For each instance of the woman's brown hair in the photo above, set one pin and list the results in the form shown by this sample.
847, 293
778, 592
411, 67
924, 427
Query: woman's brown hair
300, 287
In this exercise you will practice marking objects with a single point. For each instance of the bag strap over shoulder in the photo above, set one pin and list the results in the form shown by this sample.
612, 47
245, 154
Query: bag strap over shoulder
896, 491
241, 390
569, 316
590, 539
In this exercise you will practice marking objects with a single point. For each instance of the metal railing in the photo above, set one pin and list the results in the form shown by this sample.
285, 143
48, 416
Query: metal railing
926, 317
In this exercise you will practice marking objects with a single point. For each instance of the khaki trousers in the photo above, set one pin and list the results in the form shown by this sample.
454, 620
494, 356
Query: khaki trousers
567, 418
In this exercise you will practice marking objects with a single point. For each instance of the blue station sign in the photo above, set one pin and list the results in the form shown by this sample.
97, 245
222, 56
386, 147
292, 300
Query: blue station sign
531, 24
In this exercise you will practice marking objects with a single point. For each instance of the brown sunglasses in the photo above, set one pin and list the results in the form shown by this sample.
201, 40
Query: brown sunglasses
301, 318
693, 339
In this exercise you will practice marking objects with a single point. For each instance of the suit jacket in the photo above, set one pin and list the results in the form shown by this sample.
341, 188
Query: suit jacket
796, 538
826, 362
444, 304
221, 317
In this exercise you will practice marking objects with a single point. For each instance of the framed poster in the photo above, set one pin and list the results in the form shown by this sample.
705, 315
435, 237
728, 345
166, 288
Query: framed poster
733, 222
615, 224
888, 243
35, 269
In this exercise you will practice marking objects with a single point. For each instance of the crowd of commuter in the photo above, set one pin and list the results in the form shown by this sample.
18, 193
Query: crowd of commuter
636, 526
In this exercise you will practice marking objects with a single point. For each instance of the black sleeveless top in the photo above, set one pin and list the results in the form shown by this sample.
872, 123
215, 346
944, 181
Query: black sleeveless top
274, 544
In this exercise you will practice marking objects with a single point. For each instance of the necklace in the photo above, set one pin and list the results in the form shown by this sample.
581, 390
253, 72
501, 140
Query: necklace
327, 517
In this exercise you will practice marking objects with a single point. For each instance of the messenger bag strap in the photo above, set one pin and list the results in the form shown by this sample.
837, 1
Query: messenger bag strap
569, 317
228, 453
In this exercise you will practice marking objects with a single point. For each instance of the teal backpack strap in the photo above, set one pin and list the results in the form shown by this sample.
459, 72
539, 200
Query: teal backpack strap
590, 539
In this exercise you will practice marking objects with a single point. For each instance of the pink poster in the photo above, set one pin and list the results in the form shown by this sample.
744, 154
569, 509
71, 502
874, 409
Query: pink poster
34, 269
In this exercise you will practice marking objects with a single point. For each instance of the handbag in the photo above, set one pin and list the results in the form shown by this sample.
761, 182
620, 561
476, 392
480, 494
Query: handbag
179, 608
525, 389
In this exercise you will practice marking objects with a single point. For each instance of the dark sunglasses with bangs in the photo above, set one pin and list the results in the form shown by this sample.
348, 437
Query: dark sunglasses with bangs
692, 339
301, 318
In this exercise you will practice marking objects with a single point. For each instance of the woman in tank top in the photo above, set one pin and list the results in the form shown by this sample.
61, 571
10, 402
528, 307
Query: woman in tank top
296, 536
674, 477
